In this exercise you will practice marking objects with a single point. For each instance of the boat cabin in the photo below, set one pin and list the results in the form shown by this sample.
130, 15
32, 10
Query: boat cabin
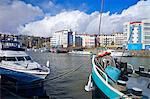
11, 45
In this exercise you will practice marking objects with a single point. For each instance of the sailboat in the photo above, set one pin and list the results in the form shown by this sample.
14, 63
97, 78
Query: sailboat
113, 79
117, 79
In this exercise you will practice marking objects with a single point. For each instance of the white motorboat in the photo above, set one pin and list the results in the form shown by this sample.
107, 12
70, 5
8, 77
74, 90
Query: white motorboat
118, 53
80, 53
14, 61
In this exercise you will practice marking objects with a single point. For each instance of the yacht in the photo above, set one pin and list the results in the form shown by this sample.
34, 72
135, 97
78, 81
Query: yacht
115, 53
15, 62
80, 53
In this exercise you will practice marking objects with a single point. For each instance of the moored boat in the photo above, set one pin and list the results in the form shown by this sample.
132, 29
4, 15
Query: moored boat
15, 62
117, 80
61, 50
80, 53
115, 53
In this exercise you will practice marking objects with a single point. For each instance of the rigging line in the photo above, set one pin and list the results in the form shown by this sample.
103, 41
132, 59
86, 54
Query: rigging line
125, 46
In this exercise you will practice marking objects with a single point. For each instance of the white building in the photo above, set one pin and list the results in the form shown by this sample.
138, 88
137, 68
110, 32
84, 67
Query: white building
87, 40
146, 34
120, 39
106, 40
138, 34
62, 38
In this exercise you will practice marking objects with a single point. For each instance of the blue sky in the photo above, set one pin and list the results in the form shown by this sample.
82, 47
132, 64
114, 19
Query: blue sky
87, 6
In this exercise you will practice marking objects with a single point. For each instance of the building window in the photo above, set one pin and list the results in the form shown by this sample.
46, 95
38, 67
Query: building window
147, 24
147, 33
147, 37
146, 28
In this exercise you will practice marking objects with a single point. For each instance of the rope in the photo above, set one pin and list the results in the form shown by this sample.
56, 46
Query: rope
66, 73
50, 79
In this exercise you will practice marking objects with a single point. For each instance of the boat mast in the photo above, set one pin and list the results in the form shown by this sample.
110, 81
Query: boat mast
100, 16
100, 21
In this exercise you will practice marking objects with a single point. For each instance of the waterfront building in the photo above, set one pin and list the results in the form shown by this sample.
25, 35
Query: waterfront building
63, 38
4, 36
120, 39
138, 35
106, 40
88, 40
78, 41
27, 41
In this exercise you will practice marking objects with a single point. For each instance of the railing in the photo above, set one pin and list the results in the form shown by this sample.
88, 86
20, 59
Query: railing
106, 78
131, 66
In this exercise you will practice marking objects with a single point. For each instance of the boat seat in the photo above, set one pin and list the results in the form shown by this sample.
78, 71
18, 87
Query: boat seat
120, 85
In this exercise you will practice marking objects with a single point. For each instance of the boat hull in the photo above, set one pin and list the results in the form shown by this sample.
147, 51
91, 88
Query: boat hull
98, 94
22, 75
103, 85
104, 88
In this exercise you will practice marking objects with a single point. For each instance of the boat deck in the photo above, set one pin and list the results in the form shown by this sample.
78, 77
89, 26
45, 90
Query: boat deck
142, 83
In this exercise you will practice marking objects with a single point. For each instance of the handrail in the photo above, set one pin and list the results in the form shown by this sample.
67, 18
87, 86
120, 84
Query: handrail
97, 68
103, 74
130, 66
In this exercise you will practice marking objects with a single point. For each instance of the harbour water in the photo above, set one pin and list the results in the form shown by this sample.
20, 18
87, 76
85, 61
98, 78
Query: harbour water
69, 74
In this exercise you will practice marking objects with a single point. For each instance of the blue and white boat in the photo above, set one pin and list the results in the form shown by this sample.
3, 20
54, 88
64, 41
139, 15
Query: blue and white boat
116, 80
79, 53
16, 63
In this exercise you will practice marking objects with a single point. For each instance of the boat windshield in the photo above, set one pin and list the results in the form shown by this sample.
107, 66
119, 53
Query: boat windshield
10, 59
20, 59
28, 58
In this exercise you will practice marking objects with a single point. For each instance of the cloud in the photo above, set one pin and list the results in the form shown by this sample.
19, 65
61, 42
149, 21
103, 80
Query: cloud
76, 20
14, 13
50, 24
50, 7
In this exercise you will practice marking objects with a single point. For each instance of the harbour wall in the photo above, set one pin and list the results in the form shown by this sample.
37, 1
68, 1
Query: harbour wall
134, 53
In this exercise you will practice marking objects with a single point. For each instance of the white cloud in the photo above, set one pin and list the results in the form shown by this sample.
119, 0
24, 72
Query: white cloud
82, 22
14, 13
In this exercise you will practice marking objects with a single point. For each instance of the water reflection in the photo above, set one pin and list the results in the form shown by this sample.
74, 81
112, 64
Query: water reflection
11, 88
71, 85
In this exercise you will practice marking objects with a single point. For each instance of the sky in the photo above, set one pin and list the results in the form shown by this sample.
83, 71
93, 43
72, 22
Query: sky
44, 17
